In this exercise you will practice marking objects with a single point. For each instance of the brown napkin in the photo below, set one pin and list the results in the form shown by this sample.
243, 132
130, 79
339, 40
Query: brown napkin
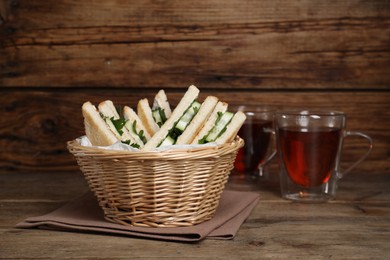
85, 215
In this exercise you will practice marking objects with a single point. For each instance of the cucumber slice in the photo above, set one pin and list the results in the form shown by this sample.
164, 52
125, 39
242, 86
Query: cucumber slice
181, 124
185, 120
113, 128
221, 124
167, 141
133, 133
157, 117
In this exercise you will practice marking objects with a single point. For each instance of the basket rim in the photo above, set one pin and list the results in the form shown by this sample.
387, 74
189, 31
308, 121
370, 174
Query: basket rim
178, 153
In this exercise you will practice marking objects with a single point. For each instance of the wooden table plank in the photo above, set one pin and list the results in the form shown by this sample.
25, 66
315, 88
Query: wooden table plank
354, 226
289, 240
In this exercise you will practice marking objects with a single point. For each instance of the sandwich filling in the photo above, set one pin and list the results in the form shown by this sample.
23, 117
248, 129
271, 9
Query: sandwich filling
118, 126
138, 136
219, 128
181, 124
159, 116
161, 110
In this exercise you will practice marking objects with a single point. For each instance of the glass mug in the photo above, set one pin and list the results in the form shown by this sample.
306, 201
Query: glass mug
309, 145
257, 134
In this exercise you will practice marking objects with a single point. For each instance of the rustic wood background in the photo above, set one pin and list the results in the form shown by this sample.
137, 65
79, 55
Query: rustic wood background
56, 54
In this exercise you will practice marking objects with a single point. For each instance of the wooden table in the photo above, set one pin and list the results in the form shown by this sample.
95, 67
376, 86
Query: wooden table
354, 226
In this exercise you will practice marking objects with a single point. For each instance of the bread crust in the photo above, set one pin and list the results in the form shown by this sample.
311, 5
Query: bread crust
161, 100
145, 114
220, 107
232, 128
96, 129
198, 121
108, 109
130, 114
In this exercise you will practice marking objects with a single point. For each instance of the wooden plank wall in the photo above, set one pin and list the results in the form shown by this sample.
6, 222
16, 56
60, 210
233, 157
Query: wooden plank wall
56, 54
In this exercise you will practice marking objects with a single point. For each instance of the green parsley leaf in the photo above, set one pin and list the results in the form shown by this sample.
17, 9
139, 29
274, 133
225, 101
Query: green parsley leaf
203, 140
162, 115
220, 114
128, 142
119, 124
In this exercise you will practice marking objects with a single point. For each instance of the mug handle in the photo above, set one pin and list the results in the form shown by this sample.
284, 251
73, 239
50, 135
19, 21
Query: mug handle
270, 157
370, 145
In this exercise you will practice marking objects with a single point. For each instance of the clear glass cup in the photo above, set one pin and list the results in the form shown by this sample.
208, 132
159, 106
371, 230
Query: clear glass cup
309, 145
257, 133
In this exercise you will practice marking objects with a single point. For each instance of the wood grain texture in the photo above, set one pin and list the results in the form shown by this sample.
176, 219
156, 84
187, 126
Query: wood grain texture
354, 226
54, 55
219, 44
57, 54
35, 125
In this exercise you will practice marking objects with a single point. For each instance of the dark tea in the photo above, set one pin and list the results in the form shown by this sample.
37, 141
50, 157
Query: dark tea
309, 155
256, 134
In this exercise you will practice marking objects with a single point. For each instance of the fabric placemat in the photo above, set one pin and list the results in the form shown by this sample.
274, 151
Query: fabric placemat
84, 215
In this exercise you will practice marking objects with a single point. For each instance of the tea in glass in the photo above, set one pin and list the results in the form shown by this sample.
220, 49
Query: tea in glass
309, 145
257, 134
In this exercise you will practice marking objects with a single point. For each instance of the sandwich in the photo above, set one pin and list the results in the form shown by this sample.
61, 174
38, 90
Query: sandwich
197, 121
124, 130
109, 114
145, 114
220, 108
229, 132
132, 119
104, 126
178, 121
221, 127
153, 118
96, 129
161, 109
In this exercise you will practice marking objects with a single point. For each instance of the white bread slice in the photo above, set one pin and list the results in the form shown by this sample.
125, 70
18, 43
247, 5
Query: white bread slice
232, 128
129, 114
145, 114
108, 109
161, 100
198, 121
220, 107
96, 129
191, 95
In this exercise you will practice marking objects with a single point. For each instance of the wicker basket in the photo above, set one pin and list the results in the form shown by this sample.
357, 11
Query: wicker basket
174, 188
